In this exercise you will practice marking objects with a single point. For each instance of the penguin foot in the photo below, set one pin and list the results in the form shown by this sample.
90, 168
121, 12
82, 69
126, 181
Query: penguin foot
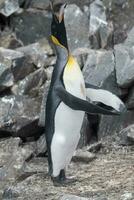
63, 182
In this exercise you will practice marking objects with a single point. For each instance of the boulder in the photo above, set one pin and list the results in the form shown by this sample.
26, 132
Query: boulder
130, 99
6, 76
8, 7
22, 67
36, 27
124, 65
110, 127
99, 70
39, 53
19, 116
40, 4
72, 197
30, 84
77, 27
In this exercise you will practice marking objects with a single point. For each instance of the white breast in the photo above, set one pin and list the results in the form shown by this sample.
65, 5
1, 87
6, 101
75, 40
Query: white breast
68, 122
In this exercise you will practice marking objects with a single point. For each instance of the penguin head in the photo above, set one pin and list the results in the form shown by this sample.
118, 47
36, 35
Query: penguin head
58, 30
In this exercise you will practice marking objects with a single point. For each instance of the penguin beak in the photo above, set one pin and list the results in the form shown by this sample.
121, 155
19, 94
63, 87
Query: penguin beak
59, 16
61, 13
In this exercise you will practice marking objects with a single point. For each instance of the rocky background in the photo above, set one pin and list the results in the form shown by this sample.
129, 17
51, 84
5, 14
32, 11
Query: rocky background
101, 37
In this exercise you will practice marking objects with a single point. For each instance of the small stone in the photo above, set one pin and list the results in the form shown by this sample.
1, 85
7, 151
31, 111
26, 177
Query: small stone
83, 156
8, 7
93, 148
127, 196
72, 197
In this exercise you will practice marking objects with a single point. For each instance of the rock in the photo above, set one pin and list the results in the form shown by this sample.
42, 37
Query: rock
110, 127
31, 83
22, 67
8, 40
38, 26
38, 52
6, 76
83, 156
41, 144
127, 196
77, 27
99, 70
72, 197
128, 134
10, 54
20, 118
93, 148
97, 16
124, 65
8, 7
43, 104
130, 99
11, 158
40, 4
100, 30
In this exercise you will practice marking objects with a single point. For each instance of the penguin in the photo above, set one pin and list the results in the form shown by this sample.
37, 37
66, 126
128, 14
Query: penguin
67, 104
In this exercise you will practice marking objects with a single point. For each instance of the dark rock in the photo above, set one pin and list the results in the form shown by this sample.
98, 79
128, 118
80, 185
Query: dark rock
127, 196
31, 83
6, 76
83, 156
20, 118
38, 26
43, 104
40, 4
111, 126
128, 134
8, 40
72, 197
22, 67
93, 148
130, 99
10, 54
9, 7
99, 70
38, 52
124, 65
77, 27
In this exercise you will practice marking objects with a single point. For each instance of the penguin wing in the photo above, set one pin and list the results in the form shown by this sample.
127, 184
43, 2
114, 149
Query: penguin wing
79, 104
106, 98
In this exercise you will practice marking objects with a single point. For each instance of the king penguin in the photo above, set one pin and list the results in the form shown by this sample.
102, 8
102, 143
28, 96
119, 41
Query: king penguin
67, 103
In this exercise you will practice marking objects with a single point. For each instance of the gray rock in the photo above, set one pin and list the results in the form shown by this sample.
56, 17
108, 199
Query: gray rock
10, 54
8, 7
8, 40
83, 156
77, 27
43, 104
38, 26
129, 42
31, 83
127, 196
20, 118
97, 16
111, 126
41, 144
99, 70
40, 4
22, 67
6, 76
124, 65
93, 148
128, 133
72, 197
130, 99
39, 53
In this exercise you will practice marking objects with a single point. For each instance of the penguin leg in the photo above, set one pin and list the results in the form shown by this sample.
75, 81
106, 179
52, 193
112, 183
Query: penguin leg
105, 98
62, 180
79, 104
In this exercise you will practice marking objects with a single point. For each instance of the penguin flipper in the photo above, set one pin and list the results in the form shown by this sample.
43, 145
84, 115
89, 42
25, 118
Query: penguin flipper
79, 104
108, 99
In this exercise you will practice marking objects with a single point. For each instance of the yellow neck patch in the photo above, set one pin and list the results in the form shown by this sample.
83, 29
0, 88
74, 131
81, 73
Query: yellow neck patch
56, 41
71, 62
